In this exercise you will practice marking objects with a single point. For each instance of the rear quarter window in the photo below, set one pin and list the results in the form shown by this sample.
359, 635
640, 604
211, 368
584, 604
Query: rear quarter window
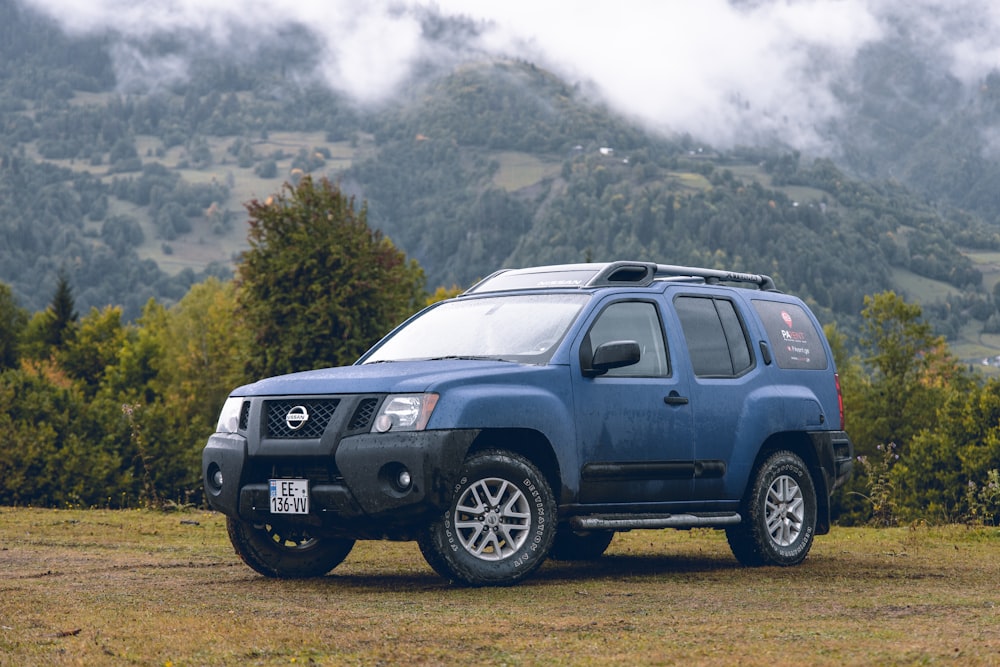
794, 340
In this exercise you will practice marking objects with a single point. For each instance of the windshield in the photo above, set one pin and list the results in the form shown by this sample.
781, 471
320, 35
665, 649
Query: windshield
508, 328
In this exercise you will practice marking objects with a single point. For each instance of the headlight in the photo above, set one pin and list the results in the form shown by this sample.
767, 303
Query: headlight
405, 412
229, 419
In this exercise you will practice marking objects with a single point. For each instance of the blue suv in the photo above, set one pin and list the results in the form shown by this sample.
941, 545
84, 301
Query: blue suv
536, 415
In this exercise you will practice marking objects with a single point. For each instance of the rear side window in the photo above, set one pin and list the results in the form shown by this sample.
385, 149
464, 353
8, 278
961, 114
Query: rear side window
715, 336
794, 340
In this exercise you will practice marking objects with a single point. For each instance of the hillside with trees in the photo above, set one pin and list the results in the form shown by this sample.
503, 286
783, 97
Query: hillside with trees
138, 192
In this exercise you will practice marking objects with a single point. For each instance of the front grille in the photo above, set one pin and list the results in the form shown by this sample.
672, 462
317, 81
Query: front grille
318, 470
362, 418
319, 473
319, 411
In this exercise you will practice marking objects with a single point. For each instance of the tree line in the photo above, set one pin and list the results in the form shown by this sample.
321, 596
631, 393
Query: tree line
101, 412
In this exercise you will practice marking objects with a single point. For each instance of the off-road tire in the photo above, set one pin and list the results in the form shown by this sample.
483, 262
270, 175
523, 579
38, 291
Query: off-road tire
779, 514
498, 527
286, 553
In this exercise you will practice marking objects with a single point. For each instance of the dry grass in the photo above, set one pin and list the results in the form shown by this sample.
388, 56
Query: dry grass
139, 587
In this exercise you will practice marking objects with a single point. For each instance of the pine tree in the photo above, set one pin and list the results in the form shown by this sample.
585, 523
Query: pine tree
62, 313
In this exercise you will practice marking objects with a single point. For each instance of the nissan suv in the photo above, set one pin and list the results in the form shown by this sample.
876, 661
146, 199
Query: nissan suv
539, 413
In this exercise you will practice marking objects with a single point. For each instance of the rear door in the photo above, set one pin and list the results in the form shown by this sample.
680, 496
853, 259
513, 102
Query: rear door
725, 374
634, 423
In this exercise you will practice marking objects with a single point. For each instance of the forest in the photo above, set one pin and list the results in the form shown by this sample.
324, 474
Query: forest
136, 193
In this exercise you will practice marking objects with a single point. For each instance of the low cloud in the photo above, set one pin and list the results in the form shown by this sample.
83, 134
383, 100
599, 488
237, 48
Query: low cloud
726, 71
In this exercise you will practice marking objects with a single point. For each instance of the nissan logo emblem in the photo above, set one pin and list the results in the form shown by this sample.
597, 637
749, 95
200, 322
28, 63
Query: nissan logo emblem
297, 417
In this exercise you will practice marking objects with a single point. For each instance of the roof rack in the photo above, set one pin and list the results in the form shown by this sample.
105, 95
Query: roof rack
620, 273
711, 276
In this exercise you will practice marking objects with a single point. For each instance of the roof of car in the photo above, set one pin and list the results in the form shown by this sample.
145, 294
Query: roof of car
610, 274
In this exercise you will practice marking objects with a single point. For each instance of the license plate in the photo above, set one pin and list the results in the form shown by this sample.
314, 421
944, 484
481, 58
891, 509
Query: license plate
289, 496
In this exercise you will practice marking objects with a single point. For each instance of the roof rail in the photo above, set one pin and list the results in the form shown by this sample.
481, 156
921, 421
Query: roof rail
620, 273
762, 281
644, 273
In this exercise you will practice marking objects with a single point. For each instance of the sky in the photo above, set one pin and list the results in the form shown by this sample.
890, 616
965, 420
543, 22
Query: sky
726, 71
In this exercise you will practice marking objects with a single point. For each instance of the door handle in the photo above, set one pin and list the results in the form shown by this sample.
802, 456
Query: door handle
673, 398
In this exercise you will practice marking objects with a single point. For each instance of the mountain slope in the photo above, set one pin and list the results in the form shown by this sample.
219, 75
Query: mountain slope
489, 164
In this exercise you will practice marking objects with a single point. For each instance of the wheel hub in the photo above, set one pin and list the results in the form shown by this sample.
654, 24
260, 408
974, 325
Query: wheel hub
784, 511
492, 519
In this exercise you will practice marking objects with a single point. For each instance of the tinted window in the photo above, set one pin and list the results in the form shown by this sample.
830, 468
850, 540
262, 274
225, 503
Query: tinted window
736, 338
794, 340
630, 320
715, 337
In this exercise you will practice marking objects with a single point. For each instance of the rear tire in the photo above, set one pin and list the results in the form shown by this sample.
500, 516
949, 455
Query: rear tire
498, 527
779, 514
286, 553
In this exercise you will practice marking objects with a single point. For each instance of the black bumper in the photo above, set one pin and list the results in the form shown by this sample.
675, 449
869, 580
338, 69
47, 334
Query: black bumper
835, 455
361, 497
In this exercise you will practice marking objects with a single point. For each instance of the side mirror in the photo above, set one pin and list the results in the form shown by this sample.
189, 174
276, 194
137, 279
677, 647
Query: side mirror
613, 354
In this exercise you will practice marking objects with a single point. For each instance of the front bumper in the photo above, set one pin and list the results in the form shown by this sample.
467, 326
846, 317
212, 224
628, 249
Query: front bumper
356, 492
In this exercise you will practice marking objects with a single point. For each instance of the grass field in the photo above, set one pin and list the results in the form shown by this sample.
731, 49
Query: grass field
918, 288
521, 170
200, 247
971, 344
94, 587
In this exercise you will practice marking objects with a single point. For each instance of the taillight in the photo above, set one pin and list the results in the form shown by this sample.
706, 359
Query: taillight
840, 399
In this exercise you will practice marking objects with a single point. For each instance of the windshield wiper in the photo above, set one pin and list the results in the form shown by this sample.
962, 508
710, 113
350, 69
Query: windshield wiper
468, 357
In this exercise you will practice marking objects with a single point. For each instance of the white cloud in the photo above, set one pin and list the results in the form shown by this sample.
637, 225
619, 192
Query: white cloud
725, 70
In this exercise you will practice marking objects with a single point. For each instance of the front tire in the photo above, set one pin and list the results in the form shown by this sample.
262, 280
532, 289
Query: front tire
286, 553
499, 525
779, 514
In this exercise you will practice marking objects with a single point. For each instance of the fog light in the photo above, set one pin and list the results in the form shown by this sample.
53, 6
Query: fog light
403, 480
217, 479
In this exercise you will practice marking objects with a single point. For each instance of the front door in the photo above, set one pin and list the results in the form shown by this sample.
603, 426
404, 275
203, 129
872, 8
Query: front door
634, 422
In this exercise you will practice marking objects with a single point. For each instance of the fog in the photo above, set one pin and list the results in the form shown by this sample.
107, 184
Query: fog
725, 71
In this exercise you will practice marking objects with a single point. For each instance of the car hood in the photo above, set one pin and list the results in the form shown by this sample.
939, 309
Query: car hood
393, 377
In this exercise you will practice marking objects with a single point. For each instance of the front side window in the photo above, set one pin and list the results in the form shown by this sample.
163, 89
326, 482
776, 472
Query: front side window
631, 320
716, 340
524, 328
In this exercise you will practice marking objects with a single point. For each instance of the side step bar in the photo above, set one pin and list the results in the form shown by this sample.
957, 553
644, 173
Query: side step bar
639, 521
